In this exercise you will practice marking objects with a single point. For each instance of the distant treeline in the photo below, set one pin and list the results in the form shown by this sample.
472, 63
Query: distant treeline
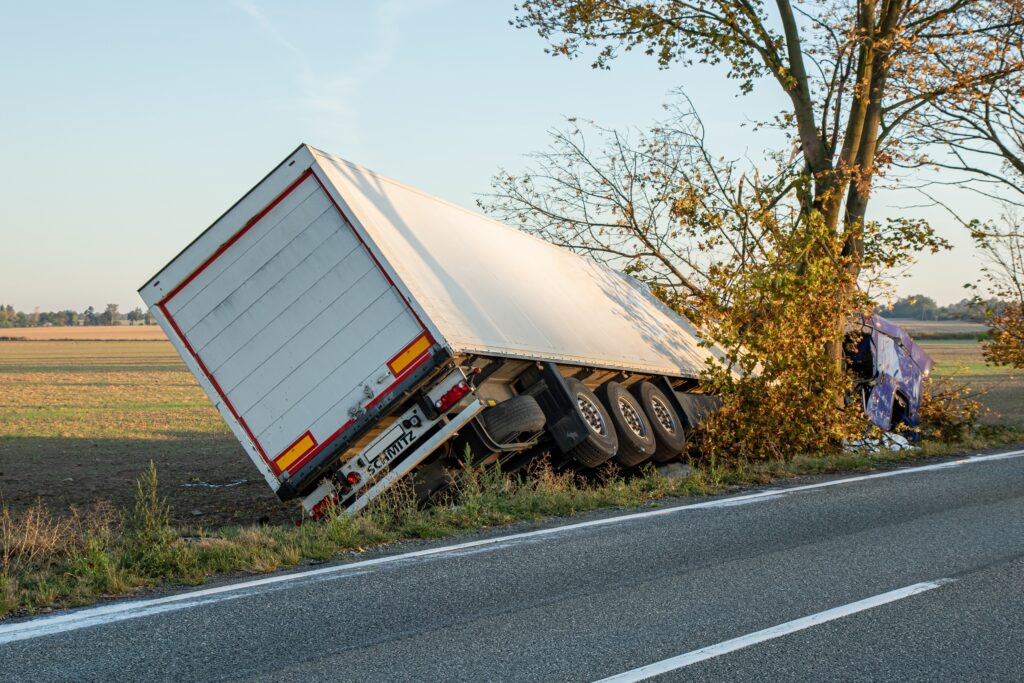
920, 307
90, 316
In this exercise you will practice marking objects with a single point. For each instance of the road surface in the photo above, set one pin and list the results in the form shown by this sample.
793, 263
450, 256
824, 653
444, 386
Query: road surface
912, 574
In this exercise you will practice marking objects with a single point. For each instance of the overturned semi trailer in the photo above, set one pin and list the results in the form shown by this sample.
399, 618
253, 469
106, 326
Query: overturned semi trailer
351, 330
889, 370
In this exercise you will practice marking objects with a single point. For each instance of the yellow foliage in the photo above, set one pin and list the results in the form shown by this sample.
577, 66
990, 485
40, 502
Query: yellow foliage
783, 394
948, 410
1006, 327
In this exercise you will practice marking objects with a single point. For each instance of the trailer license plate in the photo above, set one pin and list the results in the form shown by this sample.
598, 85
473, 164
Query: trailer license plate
394, 442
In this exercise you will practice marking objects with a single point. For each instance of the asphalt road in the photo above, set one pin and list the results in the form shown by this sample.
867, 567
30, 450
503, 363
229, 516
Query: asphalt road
619, 592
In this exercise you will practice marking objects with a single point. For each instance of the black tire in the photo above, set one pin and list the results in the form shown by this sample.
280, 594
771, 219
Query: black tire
665, 422
512, 417
601, 443
636, 436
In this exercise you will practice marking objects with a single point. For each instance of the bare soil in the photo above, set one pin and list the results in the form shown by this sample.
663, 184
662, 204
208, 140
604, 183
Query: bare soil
81, 420
207, 479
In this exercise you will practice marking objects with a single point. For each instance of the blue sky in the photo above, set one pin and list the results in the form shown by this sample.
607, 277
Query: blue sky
127, 128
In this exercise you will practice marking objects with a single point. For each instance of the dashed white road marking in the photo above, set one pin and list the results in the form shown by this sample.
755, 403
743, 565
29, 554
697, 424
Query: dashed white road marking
134, 609
673, 663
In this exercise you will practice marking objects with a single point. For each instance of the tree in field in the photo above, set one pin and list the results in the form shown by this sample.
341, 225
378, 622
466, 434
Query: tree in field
977, 142
972, 310
770, 261
859, 77
918, 307
1003, 251
725, 244
110, 315
981, 140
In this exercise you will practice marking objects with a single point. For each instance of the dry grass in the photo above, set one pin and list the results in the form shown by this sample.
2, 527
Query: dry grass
87, 333
41, 555
63, 561
32, 539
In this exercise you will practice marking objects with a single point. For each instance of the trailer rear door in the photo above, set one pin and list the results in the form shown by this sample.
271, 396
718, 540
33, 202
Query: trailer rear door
296, 325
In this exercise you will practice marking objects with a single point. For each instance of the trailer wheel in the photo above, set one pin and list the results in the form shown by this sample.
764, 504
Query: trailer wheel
636, 437
514, 416
601, 442
665, 422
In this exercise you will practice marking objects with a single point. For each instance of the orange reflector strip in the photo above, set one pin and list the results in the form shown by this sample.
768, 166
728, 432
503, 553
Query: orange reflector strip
295, 451
410, 354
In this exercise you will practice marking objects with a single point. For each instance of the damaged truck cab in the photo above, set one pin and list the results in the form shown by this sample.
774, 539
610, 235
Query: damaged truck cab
889, 371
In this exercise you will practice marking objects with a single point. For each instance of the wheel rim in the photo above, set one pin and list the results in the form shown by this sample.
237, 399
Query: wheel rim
591, 414
632, 417
663, 415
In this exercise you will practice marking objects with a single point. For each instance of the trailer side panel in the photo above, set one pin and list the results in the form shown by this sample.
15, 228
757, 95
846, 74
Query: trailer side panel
494, 290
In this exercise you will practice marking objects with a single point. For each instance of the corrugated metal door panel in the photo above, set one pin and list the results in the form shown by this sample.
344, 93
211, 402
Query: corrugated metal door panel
316, 291
281, 281
337, 353
302, 359
341, 390
267, 224
256, 273
268, 291
295, 325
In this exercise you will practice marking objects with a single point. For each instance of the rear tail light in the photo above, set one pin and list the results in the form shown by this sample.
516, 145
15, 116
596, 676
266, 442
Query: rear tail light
321, 509
353, 478
452, 396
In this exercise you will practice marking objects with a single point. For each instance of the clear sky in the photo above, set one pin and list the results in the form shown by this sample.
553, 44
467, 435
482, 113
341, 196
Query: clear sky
126, 128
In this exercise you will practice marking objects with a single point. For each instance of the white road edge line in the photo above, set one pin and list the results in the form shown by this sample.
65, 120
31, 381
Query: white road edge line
673, 663
133, 609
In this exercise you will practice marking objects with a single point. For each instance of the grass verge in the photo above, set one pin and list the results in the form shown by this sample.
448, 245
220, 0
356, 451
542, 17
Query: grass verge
50, 562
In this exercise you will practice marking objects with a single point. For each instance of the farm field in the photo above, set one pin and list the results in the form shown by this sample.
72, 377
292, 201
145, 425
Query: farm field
81, 420
1000, 389
941, 329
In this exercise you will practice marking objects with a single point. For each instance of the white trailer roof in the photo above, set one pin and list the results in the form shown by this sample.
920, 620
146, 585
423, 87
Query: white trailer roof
491, 289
